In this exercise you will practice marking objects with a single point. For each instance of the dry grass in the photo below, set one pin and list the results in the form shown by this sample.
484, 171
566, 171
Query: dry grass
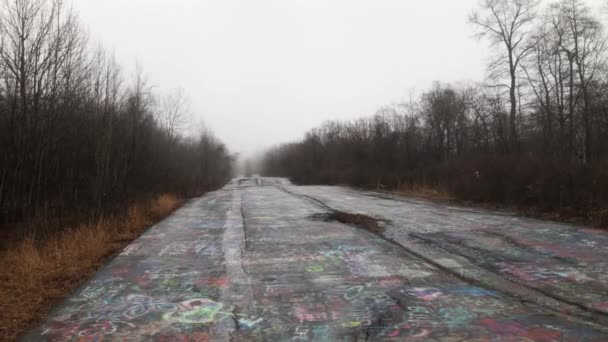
426, 192
163, 204
36, 274
594, 218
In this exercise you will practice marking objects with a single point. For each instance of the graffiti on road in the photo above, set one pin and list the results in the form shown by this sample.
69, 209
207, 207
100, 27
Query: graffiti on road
248, 263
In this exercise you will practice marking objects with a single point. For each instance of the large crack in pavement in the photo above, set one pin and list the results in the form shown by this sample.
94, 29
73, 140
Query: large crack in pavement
599, 316
234, 246
476, 273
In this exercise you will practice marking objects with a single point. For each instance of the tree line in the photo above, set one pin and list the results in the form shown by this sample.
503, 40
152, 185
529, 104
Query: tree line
79, 136
534, 133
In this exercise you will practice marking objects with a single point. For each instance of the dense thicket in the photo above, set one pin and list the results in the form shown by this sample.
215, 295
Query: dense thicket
539, 139
77, 135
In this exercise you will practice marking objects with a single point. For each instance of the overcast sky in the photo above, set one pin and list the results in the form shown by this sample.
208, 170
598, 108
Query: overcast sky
263, 72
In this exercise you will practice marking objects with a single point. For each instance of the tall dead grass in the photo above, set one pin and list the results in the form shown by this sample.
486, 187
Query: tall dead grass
35, 274
425, 191
163, 204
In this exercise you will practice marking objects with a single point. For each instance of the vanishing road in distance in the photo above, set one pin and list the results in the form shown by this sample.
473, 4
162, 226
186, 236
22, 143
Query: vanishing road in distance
262, 259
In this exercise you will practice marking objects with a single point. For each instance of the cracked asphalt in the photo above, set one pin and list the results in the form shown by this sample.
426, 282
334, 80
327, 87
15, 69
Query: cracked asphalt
257, 261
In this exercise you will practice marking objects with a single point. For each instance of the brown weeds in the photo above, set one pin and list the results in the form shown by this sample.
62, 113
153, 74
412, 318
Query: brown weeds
35, 274
425, 191
163, 205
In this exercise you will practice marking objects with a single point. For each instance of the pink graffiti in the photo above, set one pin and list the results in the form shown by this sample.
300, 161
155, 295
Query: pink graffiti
390, 283
411, 332
512, 328
542, 334
172, 337
394, 333
602, 306
222, 282
120, 271
314, 313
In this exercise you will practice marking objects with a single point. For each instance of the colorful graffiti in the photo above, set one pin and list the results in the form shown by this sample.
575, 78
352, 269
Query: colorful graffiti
248, 263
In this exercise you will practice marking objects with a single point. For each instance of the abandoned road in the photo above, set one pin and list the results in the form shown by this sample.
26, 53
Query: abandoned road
262, 259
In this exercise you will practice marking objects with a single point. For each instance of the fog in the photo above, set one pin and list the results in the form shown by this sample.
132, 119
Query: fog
263, 72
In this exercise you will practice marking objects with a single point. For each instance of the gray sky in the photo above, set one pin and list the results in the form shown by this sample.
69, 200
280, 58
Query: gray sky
263, 72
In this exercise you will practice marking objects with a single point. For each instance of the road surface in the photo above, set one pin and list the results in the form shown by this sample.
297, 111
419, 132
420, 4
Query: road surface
262, 259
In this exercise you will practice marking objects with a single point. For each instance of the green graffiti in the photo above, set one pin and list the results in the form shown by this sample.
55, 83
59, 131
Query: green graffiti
315, 268
195, 311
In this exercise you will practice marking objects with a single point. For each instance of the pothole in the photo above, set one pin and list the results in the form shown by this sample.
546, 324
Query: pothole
369, 223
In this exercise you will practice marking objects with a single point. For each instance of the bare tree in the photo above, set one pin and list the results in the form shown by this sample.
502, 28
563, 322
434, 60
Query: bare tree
585, 44
174, 111
505, 23
76, 135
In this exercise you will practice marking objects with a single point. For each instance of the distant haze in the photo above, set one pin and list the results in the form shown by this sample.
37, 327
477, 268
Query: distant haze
263, 72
